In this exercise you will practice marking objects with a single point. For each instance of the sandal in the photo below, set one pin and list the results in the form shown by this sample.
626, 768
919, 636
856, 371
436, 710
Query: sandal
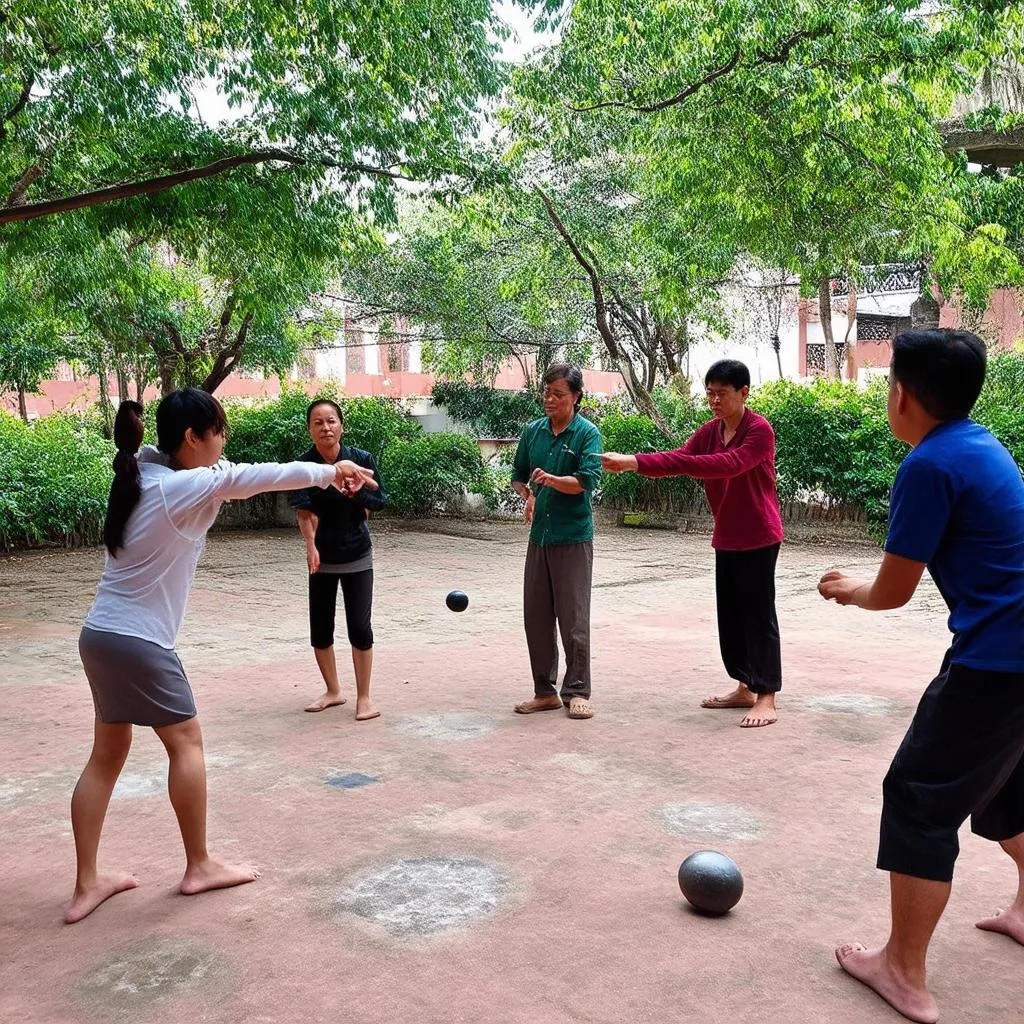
579, 707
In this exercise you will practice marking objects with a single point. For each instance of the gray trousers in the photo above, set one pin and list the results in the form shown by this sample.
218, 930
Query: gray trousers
556, 590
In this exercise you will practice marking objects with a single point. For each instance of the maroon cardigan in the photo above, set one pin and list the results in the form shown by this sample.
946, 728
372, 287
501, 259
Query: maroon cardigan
739, 480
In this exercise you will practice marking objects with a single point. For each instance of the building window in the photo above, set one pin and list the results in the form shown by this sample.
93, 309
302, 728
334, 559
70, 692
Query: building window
881, 328
816, 357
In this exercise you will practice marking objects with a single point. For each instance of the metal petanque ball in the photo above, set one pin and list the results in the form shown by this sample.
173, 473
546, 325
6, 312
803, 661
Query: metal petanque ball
711, 881
457, 601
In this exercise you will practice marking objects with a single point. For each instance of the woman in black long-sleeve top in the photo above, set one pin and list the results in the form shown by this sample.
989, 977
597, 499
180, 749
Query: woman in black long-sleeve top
338, 551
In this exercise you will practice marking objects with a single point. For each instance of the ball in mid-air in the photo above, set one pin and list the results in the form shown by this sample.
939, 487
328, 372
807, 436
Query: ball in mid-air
457, 601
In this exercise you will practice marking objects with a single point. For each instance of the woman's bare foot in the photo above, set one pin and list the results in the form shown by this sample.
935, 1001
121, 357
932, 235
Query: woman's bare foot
741, 697
1006, 922
365, 710
213, 873
762, 713
325, 701
529, 707
87, 898
872, 968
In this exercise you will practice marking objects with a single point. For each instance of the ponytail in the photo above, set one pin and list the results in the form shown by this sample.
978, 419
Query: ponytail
126, 489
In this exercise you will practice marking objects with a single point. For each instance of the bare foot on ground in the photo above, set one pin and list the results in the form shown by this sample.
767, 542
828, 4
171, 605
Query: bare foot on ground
871, 967
88, 898
1006, 922
365, 711
762, 713
214, 873
528, 707
325, 701
741, 697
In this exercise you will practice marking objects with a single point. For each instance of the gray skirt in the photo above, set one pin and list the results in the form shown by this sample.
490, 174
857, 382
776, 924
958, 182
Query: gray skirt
134, 680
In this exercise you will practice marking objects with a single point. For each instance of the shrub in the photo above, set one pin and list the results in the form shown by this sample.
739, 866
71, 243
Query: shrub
635, 433
54, 479
275, 430
426, 473
491, 412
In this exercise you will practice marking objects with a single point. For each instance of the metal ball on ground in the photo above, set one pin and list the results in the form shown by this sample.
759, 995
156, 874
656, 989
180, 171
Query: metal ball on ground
711, 882
457, 601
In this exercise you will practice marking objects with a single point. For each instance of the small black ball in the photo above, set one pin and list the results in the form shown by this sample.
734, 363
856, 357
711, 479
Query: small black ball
711, 881
457, 601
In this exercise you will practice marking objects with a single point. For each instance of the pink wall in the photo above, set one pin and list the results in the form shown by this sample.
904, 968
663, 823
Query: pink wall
76, 396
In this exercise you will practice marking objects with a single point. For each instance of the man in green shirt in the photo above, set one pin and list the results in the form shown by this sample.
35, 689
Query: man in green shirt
556, 468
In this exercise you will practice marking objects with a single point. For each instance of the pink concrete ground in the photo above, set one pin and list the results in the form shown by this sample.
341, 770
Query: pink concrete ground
572, 853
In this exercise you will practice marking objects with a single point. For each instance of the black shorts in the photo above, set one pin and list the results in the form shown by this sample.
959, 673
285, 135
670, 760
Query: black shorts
963, 756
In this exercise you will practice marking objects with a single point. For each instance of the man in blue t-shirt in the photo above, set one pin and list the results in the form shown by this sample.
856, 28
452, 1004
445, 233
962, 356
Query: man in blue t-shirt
958, 509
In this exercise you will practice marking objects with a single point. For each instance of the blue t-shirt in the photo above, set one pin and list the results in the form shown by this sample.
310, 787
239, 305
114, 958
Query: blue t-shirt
958, 505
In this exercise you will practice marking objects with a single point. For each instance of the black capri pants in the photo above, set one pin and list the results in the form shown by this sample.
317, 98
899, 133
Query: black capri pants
748, 628
963, 756
357, 593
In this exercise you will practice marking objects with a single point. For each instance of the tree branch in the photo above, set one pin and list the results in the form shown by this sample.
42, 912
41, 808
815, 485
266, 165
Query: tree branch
23, 184
762, 59
161, 183
18, 107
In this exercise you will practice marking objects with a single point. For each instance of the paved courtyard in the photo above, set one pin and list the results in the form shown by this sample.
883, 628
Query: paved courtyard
454, 862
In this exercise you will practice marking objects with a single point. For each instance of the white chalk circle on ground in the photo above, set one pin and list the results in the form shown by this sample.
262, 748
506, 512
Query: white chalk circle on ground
136, 784
851, 703
447, 725
152, 969
697, 820
426, 895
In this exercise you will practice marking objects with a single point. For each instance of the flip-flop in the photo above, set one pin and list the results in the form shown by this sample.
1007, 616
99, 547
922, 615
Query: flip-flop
720, 703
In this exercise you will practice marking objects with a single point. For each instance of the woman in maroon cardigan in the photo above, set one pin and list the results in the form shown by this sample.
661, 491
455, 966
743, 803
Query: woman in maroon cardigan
733, 454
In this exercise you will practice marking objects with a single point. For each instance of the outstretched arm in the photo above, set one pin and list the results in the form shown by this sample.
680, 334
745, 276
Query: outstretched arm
758, 446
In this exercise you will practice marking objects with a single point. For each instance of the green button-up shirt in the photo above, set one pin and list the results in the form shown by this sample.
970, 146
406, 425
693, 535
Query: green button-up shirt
560, 518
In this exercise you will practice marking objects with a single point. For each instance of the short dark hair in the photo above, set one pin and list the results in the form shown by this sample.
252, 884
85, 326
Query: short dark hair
730, 372
943, 369
325, 401
572, 375
184, 409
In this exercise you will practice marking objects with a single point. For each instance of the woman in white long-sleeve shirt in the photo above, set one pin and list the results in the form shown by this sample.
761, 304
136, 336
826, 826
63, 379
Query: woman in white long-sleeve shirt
162, 502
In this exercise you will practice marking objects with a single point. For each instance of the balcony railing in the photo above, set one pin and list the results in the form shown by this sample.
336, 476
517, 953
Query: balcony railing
885, 277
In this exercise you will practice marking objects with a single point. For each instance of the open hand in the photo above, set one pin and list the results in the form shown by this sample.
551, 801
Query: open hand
613, 462
350, 478
835, 586
312, 558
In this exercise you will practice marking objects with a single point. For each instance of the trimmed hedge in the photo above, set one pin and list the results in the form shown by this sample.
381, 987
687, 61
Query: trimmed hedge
833, 443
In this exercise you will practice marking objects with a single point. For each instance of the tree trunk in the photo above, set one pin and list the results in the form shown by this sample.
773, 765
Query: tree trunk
623, 363
22, 404
108, 422
825, 312
122, 380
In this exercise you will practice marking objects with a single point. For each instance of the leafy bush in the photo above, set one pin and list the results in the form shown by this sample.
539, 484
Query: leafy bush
633, 434
1001, 405
832, 440
275, 430
54, 479
491, 412
426, 473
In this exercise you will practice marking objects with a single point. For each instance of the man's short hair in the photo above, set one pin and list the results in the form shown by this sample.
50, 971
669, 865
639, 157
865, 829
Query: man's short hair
730, 372
943, 369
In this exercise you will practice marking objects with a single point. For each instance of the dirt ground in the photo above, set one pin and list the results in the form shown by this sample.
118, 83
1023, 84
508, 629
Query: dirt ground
452, 861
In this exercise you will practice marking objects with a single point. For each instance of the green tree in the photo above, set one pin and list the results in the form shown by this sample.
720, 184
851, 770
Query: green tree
99, 99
